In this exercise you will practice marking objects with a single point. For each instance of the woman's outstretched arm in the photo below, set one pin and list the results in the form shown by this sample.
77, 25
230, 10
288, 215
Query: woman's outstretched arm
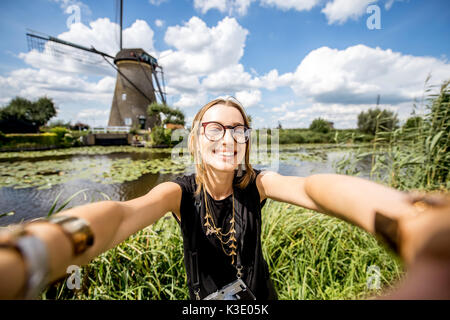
350, 198
111, 222
353, 199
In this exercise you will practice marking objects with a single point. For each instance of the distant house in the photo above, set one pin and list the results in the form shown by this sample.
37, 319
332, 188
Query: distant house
173, 126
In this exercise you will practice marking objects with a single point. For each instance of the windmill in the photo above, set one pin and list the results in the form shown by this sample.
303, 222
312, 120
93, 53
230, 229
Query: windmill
137, 74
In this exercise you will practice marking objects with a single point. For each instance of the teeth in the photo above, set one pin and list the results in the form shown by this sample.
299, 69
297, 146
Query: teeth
227, 154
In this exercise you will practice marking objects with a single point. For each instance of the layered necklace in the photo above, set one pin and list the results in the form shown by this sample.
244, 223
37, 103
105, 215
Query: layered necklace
228, 239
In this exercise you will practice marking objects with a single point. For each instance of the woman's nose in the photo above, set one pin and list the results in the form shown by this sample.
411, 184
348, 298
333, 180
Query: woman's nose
228, 137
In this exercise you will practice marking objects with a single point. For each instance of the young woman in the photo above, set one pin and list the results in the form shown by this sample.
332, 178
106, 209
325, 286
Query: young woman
219, 211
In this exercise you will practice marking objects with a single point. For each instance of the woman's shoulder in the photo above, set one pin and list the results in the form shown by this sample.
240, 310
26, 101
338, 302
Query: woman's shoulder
186, 182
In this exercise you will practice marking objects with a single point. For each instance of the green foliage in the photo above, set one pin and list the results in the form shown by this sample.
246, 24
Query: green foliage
173, 115
413, 122
321, 125
377, 120
30, 140
412, 157
58, 123
60, 132
292, 136
22, 115
161, 137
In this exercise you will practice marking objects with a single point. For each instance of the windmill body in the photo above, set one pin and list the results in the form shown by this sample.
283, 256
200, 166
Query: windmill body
129, 106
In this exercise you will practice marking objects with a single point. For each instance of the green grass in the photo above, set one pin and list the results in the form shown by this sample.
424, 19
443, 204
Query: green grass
310, 256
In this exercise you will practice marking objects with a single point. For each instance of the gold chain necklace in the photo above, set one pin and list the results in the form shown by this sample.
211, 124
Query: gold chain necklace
212, 229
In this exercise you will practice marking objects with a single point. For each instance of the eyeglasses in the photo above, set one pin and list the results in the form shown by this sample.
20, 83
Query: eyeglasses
214, 131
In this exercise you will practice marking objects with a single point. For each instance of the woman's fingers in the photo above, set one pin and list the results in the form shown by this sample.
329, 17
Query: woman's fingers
431, 220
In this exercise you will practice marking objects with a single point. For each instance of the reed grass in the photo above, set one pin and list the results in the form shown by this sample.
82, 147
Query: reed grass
411, 158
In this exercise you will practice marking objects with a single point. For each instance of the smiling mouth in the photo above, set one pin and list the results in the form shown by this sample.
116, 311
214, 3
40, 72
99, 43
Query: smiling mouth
225, 154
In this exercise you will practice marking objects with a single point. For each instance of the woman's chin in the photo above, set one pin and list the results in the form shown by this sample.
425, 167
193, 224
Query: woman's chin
227, 165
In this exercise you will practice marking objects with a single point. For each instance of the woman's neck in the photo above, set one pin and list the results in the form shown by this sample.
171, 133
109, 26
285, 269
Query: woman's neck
219, 184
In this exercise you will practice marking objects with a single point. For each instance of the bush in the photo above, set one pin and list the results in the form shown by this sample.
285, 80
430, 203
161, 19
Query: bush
60, 132
320, 125
376, 120
413, 122
160, 136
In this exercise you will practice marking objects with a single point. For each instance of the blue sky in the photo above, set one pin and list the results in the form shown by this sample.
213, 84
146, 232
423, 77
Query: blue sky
288, 61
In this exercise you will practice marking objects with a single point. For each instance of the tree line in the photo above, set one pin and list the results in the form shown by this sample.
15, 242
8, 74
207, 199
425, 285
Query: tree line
21, 115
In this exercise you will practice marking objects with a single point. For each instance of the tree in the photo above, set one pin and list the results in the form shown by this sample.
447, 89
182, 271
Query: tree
413, 122
377, 120
172, 115
22, 115
321, 125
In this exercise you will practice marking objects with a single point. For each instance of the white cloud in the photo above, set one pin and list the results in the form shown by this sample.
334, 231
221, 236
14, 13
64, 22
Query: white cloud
224, 6
200, 49
229, 79
356, 75
249, 98
272, 80
188, 100
241, 6
66, 4
284, 107
339, 11
159, 23
63, 88
92, 113
298, 5
157, 2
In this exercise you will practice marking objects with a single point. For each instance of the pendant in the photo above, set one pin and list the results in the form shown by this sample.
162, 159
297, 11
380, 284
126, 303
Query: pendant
210, 230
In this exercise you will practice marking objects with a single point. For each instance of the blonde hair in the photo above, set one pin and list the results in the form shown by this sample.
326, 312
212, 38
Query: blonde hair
194, 149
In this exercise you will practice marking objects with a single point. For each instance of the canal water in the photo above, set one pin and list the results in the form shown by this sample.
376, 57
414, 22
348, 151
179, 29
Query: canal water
29, 186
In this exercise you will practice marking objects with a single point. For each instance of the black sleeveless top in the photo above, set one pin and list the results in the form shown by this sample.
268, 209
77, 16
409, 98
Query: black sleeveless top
208, 268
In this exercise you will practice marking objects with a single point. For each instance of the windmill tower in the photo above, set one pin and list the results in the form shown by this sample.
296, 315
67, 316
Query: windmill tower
134, 90
137, 74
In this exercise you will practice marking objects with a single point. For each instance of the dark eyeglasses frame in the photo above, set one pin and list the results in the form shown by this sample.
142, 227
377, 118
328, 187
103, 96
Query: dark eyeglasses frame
204, 124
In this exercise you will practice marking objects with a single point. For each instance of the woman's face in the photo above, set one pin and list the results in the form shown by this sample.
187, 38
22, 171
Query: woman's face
225, 154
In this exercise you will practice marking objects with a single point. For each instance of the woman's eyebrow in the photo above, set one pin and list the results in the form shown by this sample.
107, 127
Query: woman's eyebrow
233, 124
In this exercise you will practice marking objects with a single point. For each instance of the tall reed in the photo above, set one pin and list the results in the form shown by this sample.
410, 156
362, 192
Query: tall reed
411, 158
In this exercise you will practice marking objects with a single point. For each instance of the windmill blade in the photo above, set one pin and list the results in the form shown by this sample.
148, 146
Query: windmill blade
59, 48
162, 94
